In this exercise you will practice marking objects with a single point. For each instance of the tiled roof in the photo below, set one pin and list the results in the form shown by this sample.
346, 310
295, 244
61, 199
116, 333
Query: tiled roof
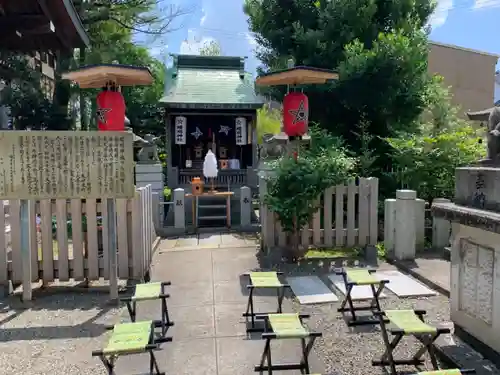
210, 82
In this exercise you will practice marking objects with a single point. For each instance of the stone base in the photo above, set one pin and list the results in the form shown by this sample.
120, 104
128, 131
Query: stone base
479, 187
486, 351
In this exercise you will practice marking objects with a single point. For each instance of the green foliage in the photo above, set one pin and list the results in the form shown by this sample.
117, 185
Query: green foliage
294, 190
396, 64
167, 192
114, 42
211, 48
426, 161
30, 105
268, 122
378, 47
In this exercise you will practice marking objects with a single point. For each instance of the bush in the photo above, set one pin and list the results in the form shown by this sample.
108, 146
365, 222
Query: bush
268, 122
427, 160
294, 190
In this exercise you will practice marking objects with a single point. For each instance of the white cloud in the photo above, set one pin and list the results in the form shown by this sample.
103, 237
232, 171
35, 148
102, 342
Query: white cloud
482, 4
193, 43
204, 17
440, 15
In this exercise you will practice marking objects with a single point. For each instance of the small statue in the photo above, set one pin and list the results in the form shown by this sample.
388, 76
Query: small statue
149, 151
271, 147
493, 136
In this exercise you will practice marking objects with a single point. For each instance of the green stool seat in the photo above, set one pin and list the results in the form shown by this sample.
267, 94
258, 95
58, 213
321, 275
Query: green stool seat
401, 323
263, 280
360, 276
131, 338
285, 326
150, 292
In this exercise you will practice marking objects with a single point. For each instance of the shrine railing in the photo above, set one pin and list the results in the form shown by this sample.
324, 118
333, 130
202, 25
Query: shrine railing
226, 177
68, 240
347, 217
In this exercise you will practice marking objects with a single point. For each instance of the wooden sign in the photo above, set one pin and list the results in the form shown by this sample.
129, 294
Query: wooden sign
66, 164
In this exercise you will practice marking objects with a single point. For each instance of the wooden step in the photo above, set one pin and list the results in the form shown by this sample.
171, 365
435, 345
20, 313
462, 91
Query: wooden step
215, 206
214, 217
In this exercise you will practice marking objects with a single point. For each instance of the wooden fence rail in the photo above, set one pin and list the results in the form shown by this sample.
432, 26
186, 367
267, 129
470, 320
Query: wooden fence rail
347, 218
69, 240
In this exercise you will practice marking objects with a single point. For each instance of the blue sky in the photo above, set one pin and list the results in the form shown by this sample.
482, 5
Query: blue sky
467, 23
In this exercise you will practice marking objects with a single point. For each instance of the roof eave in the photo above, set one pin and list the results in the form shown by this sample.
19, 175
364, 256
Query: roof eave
178, 105
75, 18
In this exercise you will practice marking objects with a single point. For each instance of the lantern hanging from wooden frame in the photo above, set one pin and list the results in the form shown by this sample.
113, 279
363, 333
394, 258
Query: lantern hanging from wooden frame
296, 104
110, 109
295, 114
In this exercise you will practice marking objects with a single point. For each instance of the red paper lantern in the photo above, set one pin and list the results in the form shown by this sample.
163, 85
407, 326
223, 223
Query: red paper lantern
295, 114
110, 111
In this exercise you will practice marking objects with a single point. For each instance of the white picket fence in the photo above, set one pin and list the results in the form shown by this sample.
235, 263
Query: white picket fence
348, 217
62, 249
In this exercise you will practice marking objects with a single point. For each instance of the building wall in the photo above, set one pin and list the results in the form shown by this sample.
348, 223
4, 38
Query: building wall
45, 63
497, 88
469, 73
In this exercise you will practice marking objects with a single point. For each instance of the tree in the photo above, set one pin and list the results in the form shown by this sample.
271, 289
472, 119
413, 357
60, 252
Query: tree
29, 102
211, 48
426, 160
111, 24
268, 122
379, 49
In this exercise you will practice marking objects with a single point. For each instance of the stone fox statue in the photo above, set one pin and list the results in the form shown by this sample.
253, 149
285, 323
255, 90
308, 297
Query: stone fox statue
493, 135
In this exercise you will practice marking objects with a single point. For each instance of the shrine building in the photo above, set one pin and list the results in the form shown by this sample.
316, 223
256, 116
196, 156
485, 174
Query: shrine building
211, 103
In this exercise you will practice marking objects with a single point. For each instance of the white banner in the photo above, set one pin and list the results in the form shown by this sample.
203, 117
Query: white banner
180, 130
241, 131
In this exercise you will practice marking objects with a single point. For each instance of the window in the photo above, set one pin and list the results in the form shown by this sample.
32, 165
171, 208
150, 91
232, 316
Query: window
38, 65
43, 57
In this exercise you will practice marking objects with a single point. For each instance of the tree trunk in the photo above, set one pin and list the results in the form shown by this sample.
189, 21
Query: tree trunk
62, 92
83, 102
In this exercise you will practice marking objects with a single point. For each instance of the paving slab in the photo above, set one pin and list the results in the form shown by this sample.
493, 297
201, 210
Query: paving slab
404, 286
209, 239
183, 267
431, 269
358, 292
181, 357
188, 241
237, 356
310, 290
229, 239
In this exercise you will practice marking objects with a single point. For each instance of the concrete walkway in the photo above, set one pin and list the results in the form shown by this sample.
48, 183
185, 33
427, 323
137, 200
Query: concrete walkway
207, 300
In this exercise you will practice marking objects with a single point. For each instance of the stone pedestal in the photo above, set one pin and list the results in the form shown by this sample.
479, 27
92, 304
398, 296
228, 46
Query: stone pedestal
475, 253
152, 174
149, 174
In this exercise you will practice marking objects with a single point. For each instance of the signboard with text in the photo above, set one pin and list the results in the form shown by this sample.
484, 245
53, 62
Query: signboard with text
66, 164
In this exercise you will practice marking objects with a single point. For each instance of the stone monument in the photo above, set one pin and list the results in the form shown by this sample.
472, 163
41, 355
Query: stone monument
475, 247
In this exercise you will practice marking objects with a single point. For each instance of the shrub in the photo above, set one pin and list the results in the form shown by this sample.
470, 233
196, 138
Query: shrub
427, 160
294, 190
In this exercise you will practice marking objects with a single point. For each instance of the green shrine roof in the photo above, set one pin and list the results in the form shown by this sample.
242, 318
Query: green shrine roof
210, 82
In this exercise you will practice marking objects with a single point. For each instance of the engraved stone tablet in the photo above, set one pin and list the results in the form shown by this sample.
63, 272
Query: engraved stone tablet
476, 280
66, 164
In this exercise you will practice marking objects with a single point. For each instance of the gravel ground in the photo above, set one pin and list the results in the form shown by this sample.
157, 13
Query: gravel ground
55, 336
349, 350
